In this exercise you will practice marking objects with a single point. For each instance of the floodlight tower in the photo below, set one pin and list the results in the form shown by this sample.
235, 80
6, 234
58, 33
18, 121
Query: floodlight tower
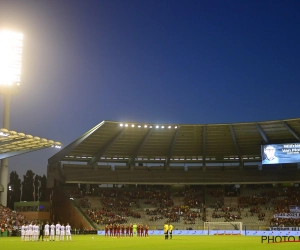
11, 45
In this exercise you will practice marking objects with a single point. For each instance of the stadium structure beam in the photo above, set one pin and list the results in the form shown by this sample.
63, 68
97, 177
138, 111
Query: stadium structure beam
237, 148
203, 144
172, 146
139, 147
262, 133
16, 153
97, 157
62, 153
291, 130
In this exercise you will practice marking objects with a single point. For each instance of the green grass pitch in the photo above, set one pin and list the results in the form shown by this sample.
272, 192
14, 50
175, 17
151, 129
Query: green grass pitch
86, 242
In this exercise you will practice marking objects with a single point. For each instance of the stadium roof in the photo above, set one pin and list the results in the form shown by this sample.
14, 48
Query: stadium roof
137, 143
13, 143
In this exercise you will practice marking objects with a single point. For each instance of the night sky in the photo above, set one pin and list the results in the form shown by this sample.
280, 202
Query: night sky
159, 61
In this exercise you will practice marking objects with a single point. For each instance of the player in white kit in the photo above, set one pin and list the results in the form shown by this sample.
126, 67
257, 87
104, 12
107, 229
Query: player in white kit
36, 231
52, 232
68, 231
62, 232
57, 231
46, 231
30, 232
23, 232
26, 232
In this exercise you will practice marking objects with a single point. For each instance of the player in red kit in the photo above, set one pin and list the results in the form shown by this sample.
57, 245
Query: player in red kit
146, 230
127, 230
131, 230
118, 230
115, 230
106, 230
139, 230
142, 230
111, 230
122, 230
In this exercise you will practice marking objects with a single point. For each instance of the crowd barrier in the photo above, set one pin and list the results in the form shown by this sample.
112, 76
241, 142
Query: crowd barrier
221, 232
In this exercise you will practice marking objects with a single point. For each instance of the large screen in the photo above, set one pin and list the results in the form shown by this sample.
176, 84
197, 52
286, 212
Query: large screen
280, 153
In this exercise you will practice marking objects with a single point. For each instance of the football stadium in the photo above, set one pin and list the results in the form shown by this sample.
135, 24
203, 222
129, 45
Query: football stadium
126, 184
211, 182
209, 177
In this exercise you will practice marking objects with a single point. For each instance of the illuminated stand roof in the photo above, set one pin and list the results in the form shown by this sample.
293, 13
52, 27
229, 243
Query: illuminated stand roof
13, 143
167, 144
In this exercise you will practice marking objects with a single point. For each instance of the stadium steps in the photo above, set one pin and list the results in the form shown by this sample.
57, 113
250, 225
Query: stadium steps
231, 201
177, 201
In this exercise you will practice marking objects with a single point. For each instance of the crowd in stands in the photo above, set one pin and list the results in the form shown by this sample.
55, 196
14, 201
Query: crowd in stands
193, 199
10, 220
173, 214
284, 222
85, 203
118, 206
217, 193
228, 213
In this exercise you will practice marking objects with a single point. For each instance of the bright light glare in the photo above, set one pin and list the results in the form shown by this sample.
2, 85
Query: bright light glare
10, 57
3, 134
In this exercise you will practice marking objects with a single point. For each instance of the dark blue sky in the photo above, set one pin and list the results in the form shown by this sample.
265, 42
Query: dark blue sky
160, 61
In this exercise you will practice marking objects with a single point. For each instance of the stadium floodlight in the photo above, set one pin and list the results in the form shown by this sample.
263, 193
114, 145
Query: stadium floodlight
11, 45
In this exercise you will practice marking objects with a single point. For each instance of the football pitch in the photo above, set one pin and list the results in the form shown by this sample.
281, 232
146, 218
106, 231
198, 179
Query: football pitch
93, 242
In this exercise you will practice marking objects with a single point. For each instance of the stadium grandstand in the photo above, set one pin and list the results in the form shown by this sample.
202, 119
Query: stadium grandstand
186, 174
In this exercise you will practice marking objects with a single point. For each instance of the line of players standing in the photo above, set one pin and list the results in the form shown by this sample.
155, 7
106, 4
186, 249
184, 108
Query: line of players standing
34, 231
131, 230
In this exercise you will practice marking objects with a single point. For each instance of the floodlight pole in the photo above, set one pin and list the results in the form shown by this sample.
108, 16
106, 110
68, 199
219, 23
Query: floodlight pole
11, 53
4, 162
